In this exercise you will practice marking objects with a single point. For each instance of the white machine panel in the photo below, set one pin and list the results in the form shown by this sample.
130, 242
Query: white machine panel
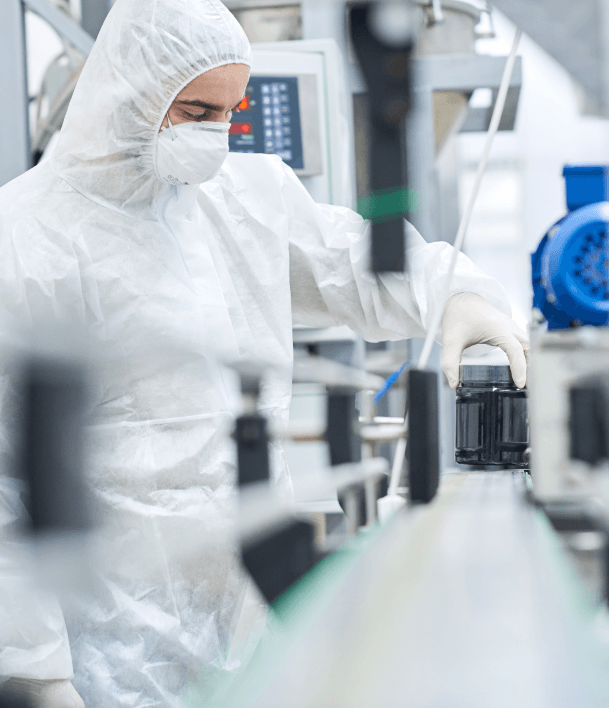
312, 104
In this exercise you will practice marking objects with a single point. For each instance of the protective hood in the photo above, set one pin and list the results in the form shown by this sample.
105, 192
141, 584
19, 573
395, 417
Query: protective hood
147, 51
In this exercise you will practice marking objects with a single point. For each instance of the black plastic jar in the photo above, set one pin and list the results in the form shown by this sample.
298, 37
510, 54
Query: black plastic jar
492, 416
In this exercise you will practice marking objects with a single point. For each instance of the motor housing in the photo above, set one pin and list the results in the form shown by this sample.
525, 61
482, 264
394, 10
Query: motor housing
571, 265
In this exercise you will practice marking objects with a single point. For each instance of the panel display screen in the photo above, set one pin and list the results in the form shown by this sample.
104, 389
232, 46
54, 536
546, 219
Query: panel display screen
269, 120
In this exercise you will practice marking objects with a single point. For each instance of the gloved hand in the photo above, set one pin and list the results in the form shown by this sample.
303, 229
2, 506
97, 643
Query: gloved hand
53, 693
469, 319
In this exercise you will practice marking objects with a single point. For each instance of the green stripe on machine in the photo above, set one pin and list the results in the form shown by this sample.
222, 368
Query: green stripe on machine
388, 204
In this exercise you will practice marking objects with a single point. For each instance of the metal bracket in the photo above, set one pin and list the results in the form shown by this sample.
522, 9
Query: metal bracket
466, 73
65, 27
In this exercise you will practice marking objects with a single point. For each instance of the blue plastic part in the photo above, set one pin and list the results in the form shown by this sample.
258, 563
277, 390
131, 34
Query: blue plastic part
571, 269
389, 383
586, 184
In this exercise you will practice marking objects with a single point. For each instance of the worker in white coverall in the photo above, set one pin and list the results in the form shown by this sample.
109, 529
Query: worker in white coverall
141, 229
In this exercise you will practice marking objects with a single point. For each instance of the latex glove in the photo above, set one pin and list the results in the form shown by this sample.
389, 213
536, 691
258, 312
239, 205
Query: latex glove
469, 319
54, 693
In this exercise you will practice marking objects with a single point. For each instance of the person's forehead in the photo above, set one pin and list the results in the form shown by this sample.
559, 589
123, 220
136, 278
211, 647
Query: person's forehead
221, 77
216, 87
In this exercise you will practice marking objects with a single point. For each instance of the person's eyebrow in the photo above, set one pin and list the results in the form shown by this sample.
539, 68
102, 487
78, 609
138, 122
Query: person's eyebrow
208, 106
202, 104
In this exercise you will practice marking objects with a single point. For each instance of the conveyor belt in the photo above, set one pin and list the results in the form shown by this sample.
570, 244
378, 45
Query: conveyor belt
464, 603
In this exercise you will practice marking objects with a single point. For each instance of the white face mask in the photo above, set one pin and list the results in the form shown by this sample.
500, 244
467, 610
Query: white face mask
191, 153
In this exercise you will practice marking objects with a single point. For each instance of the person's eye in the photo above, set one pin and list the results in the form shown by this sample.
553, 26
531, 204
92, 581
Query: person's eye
197, 116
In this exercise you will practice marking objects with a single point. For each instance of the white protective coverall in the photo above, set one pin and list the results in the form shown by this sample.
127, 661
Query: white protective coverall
93, 237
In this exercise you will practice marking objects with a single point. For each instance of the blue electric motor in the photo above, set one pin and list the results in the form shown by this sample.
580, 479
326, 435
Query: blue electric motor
571, 264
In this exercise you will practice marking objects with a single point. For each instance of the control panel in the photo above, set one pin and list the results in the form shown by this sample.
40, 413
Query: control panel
270, 120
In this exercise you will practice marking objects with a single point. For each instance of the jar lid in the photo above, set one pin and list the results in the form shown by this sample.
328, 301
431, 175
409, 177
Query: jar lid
484, 374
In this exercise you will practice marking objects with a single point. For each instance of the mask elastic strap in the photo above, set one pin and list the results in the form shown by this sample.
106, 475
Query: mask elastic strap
172, 132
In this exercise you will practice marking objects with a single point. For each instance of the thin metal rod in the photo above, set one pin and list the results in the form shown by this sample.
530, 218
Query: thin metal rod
370, 487
436, 9
398, 461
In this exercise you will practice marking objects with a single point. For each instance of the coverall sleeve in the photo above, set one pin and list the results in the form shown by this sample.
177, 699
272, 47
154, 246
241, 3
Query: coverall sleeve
331, 283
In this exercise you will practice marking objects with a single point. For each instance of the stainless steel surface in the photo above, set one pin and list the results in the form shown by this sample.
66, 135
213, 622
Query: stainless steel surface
272, 23
557, 359
317, 369
453, 32
14, 136
309, 122
481, 373
467, 72
464, 603
93, 13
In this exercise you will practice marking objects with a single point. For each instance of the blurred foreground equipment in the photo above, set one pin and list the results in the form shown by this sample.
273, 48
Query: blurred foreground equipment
569, 349
383, 41
278, 552
52, 460
423, 435
276, 559
473, 589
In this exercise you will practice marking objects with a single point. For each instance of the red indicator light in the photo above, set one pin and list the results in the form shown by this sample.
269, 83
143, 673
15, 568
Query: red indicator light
241, 129
244, 105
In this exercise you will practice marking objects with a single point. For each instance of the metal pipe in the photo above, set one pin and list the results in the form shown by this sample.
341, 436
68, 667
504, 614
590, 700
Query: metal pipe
15, 134
436, 16
314, 432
